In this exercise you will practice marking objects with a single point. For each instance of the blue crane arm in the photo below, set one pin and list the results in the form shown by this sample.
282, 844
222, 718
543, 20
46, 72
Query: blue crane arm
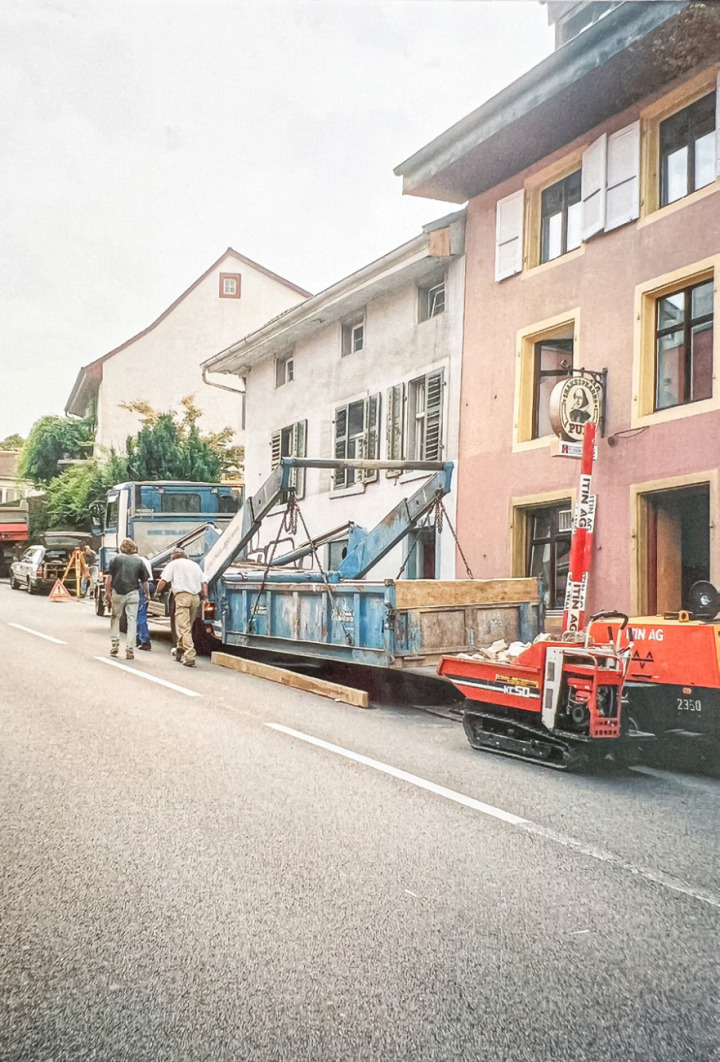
367, 548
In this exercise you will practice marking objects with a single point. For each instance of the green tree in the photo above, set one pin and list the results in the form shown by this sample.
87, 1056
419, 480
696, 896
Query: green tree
53, 439
12, 442
169, 445
70, 496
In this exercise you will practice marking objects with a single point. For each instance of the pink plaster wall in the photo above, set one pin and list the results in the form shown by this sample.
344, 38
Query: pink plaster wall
601, 281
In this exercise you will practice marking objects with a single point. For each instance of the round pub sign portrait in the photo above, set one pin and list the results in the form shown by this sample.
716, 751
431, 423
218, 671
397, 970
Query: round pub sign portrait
574, 403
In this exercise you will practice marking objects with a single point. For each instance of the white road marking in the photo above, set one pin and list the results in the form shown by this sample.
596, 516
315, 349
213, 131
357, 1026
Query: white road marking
421, 783
658, 877
150, 678
37, 634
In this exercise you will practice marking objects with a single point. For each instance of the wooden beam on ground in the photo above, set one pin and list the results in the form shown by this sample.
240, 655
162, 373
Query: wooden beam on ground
439, 593
321, 687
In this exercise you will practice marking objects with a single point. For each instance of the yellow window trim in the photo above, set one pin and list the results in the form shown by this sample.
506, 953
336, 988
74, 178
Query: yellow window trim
517, 524
638, 530
534, 187
650, 118
562, 326
646, 296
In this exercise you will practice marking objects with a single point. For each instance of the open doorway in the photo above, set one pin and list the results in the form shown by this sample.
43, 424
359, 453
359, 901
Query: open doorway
678, 545
420, 563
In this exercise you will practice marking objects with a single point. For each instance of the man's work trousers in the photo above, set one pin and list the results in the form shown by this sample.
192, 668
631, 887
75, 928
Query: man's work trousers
129, 604
187, 607
142, 624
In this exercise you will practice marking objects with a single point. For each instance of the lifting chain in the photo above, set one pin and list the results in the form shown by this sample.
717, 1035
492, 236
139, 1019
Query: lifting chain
337, 615
289, 521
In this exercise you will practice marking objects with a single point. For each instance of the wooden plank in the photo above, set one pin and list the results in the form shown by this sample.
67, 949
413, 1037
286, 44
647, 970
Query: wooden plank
426, 593
309, 684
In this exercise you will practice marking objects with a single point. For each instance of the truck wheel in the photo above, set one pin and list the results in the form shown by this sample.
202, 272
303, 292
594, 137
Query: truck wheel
32, 586
99, 605
14, 584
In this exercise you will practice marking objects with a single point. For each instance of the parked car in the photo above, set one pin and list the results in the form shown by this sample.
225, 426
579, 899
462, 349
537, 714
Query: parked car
41, 565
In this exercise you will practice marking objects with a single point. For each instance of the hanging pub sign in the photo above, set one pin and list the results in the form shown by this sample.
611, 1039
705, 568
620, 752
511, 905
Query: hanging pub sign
575, 402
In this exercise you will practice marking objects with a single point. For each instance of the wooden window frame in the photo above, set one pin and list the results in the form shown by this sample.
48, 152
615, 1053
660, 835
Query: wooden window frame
563, 326
651, 117
644, 343
565, 204
520, 509
690, 141
534, 188
688, 324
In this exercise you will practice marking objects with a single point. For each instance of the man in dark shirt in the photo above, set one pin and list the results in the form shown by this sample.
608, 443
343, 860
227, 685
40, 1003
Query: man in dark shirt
127, 573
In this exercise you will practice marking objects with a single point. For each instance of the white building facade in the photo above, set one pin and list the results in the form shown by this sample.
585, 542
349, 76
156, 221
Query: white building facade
368, 368
161, 365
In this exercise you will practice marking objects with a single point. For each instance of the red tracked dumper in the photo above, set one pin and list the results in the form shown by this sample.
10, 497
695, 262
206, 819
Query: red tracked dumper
558, 703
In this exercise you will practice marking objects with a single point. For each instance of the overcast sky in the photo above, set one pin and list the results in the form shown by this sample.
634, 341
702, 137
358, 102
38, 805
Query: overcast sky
140, 138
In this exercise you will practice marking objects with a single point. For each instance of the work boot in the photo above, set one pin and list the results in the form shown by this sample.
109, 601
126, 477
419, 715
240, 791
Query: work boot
129, 654
114, 650
188, 663
146, 646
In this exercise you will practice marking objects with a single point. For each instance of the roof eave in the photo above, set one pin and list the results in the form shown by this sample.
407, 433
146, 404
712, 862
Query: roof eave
329, 306
439, 170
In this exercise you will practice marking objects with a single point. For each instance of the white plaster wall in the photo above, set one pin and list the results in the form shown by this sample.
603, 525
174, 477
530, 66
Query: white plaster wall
163, 366
397, 349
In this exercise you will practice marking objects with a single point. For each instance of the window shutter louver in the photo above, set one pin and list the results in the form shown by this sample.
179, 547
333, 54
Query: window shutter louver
299, 450
341, 424
594, 163
372, 435
623, 176
717, 127
394, 426
275, 444
433, 416
509, 235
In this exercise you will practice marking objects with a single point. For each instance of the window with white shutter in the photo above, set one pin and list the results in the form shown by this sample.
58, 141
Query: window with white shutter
594, 163
291, 442
425, 417
357, 435
623, 177
394, 422
509, 235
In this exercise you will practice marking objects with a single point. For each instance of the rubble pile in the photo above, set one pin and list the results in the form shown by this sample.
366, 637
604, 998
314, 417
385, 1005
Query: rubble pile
501, 652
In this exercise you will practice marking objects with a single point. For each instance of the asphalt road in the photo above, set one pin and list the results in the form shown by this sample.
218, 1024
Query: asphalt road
232, 870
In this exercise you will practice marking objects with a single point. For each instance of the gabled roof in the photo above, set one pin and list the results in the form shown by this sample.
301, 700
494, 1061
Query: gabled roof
635, 50
412, 262
91, 375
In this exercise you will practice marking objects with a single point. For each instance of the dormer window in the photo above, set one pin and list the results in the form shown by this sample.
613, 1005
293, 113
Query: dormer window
229, 286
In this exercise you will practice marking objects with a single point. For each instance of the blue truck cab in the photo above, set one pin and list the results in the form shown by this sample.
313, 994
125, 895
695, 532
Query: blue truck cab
156, 514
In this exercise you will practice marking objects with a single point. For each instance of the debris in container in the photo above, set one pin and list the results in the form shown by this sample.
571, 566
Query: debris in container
503, 652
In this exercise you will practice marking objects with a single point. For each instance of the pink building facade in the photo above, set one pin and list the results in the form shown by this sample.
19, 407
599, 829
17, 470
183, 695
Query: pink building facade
593, 241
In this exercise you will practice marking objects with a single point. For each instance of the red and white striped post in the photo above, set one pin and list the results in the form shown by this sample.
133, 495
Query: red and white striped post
581, 541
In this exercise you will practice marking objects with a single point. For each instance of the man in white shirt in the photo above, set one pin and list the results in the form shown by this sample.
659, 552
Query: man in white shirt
189, 589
